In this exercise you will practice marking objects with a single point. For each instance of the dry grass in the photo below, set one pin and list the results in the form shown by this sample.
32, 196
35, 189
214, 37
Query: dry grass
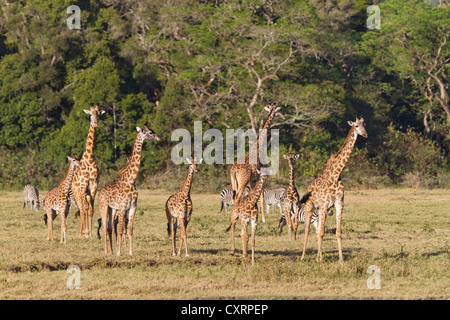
405, 232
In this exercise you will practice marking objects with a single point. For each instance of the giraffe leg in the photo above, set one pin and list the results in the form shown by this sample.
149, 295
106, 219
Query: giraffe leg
130, 225
308, 208
121, 213
90, 212
104, 216
295, 223
93, 191
244, 238
78, 195
287, 216
261, 199
63, 228
232, 226
254, 225
339, 205
183, 238
173, 231
320, 231
49, 212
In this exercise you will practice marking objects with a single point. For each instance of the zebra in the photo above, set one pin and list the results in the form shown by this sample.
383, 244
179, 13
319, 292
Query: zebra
301, 217
273, 197
227, 197
31, 195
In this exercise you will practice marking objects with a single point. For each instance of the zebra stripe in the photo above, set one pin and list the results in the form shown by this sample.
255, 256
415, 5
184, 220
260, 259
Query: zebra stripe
31, 195
227, 197
273, 197
301, 217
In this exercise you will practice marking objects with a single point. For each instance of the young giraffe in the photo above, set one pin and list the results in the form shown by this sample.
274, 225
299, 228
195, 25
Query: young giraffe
328, 190
56, 201
179, 208
243, 173
120, 195
247, 211
85, 179
290, 201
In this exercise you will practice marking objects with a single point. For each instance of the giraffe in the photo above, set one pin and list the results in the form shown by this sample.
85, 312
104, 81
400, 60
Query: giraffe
328, 190
247, 211
290, 201
120, 195
179, 208
56, 200
85, 179
243, 173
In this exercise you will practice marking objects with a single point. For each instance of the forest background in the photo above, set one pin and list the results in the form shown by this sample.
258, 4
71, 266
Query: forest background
169, 63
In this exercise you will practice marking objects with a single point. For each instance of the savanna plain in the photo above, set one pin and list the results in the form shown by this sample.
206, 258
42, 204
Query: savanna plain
404, 232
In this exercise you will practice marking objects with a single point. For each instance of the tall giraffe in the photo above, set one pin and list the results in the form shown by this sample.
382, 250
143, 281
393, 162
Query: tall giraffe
247, 211
290, 201
179, 208
56, 200
243, 173
85, 179
328, 190
120, 195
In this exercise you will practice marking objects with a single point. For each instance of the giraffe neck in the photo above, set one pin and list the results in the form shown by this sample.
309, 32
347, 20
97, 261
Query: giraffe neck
254, 194
186, 185
340, 159
129, 173
262, 136
89, 147
291, 177
67, 181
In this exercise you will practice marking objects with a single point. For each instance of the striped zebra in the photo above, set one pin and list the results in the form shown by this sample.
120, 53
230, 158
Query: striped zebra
301, 217
227, 197
31, 196
272, 197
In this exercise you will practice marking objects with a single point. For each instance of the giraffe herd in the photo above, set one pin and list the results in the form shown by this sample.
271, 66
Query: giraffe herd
118, 198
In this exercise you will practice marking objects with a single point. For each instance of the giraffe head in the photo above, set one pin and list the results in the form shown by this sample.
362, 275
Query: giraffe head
262, 177
94, 112
74, 162
359, 126
193, 164
291, 158
272, 107
147, 134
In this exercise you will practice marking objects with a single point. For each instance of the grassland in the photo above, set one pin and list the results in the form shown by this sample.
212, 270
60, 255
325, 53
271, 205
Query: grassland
405, 232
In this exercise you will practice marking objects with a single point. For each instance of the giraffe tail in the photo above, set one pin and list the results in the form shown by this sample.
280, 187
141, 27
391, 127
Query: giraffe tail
305, 197
228, 229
